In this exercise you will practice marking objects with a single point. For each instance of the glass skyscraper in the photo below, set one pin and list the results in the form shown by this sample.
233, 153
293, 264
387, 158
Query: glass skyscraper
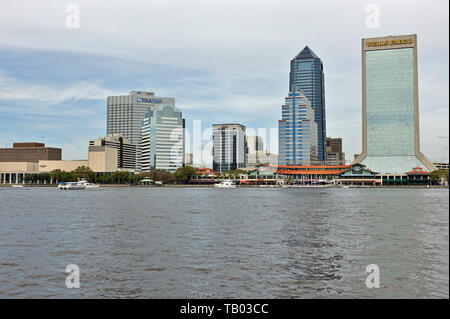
126, 112
390, 115
307, 74
162, 138
297, 131
228, 147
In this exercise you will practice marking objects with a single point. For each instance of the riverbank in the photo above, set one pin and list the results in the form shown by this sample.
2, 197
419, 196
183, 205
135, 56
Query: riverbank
238, 186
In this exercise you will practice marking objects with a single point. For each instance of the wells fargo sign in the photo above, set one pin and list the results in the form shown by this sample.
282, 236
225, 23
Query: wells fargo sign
384, 43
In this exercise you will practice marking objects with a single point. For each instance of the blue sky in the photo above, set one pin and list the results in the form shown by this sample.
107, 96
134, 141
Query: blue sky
223, 61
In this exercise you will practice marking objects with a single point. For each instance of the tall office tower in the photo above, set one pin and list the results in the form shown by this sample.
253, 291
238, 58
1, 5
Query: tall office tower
297, 131
254, 144
307, 74
126, 112
228, 147
335, 156
390, 106
126, 151
162, 138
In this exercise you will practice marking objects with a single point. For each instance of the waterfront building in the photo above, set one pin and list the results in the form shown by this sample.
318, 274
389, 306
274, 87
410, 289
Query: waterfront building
103, 150
335, 156
310, 174
228, 147
126, 112
390, 106
441, 165
162, 138
297, 131
29, 152
307, 74
358, 175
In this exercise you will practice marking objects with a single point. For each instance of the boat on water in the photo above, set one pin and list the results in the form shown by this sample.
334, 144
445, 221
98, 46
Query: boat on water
82, 184
17, 186
225, 184
71, 186
88, 185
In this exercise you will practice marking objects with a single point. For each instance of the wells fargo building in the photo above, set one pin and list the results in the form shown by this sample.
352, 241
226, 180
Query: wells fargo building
390, 106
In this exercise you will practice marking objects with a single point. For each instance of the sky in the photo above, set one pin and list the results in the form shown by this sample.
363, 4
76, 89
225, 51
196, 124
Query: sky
223, 61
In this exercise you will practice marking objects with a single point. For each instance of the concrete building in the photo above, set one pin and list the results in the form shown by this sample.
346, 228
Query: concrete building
335, 156
307, 74
29, 152
189, 159
228, 147
125, 114
297, 131
162, 138
441, 165
101, 155
390, 106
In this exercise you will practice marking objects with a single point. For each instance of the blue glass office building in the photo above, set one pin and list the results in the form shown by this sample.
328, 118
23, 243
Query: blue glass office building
297, 131
390, 106
307, 74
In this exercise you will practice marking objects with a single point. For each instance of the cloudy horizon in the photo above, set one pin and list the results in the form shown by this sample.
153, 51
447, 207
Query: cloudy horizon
223, 61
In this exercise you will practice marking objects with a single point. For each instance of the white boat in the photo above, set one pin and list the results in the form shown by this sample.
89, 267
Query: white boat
17, 186
71, 186
88, 185
225, 184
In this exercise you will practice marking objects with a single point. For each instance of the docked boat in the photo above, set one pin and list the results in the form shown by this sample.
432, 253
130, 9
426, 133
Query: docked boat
225, 184
71, 186
88, 185
17, 186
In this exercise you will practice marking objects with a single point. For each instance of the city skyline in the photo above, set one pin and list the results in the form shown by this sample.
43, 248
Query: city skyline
64, 87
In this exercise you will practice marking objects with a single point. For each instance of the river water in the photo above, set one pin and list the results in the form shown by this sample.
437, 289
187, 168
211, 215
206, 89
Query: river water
224, 243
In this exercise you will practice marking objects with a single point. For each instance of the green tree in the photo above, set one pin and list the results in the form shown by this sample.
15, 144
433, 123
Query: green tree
161, 175
184, 174
104, 179
83, 172
437, 175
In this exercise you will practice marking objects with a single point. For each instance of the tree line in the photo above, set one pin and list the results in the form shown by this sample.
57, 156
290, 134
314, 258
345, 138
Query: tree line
181, 176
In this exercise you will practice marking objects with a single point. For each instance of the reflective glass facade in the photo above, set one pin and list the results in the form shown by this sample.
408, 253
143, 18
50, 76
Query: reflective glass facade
391, 143
307, 74
390, 102
297, 131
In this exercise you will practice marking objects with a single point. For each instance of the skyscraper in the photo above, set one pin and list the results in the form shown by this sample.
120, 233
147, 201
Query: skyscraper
307, 74
126, 112
162, 138
228, 147
297, 131
390, 106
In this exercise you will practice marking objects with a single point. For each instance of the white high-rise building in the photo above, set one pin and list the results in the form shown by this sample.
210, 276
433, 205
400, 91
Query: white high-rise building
126, 112
228, 147
162, 138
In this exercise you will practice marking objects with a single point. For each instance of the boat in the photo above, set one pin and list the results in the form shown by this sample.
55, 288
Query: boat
17, 186
225, 184
88, 185
71, 186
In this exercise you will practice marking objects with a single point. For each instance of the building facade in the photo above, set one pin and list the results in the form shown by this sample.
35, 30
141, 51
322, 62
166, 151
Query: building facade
390, 106
228, 147
162, 138
335, 156
29, 152
307, 74
297, 131
125, 152
126, 112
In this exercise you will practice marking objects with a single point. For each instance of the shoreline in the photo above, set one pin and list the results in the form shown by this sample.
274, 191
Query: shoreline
241, 186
